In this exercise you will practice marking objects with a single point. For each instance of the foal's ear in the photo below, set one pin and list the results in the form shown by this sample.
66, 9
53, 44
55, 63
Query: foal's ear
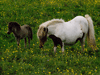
17, 25
10, 23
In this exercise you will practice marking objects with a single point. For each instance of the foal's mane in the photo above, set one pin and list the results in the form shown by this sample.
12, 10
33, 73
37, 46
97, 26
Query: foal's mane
14, 24
51, 22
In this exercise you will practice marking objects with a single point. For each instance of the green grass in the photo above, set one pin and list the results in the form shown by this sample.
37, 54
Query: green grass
36, 61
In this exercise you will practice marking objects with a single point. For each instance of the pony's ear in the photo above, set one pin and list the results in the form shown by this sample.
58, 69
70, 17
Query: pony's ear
45, 29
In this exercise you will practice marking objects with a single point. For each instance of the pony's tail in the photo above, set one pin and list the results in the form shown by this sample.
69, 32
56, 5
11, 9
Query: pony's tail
90, 35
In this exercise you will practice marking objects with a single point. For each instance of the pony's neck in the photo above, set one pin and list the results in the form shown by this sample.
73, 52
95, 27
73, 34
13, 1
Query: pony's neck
51, 28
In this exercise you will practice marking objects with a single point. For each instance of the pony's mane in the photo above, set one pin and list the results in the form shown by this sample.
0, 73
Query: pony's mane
51, 22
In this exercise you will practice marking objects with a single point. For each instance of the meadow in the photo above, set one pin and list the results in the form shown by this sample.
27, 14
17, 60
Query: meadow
36, 61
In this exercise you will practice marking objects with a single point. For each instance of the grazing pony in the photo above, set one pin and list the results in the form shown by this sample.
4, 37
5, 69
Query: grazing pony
20, 32
68, 32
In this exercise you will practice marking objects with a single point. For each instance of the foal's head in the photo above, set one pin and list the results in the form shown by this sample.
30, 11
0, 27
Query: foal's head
13, 27
42, 35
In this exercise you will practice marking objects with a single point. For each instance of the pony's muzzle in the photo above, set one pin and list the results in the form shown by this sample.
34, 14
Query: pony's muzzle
41, 45
40, 37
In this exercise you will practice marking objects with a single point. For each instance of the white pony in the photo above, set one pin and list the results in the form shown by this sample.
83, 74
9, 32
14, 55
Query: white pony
70, 32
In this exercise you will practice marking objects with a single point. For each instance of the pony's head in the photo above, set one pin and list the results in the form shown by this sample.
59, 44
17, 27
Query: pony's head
13, 26
42, 35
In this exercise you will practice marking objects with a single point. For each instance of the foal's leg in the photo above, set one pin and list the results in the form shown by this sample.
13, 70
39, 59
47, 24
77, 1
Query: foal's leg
18, 41
25, 41
29, 41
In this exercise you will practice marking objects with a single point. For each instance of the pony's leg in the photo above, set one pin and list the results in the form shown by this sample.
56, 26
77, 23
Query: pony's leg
82, 43
25, 41
55, 48
62, 47
56, 41
29, 41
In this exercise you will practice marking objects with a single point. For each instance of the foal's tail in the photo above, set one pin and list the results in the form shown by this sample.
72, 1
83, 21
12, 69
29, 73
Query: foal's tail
30, 32
90, 35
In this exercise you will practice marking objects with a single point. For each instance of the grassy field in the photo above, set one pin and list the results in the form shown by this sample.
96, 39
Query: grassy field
36, 61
